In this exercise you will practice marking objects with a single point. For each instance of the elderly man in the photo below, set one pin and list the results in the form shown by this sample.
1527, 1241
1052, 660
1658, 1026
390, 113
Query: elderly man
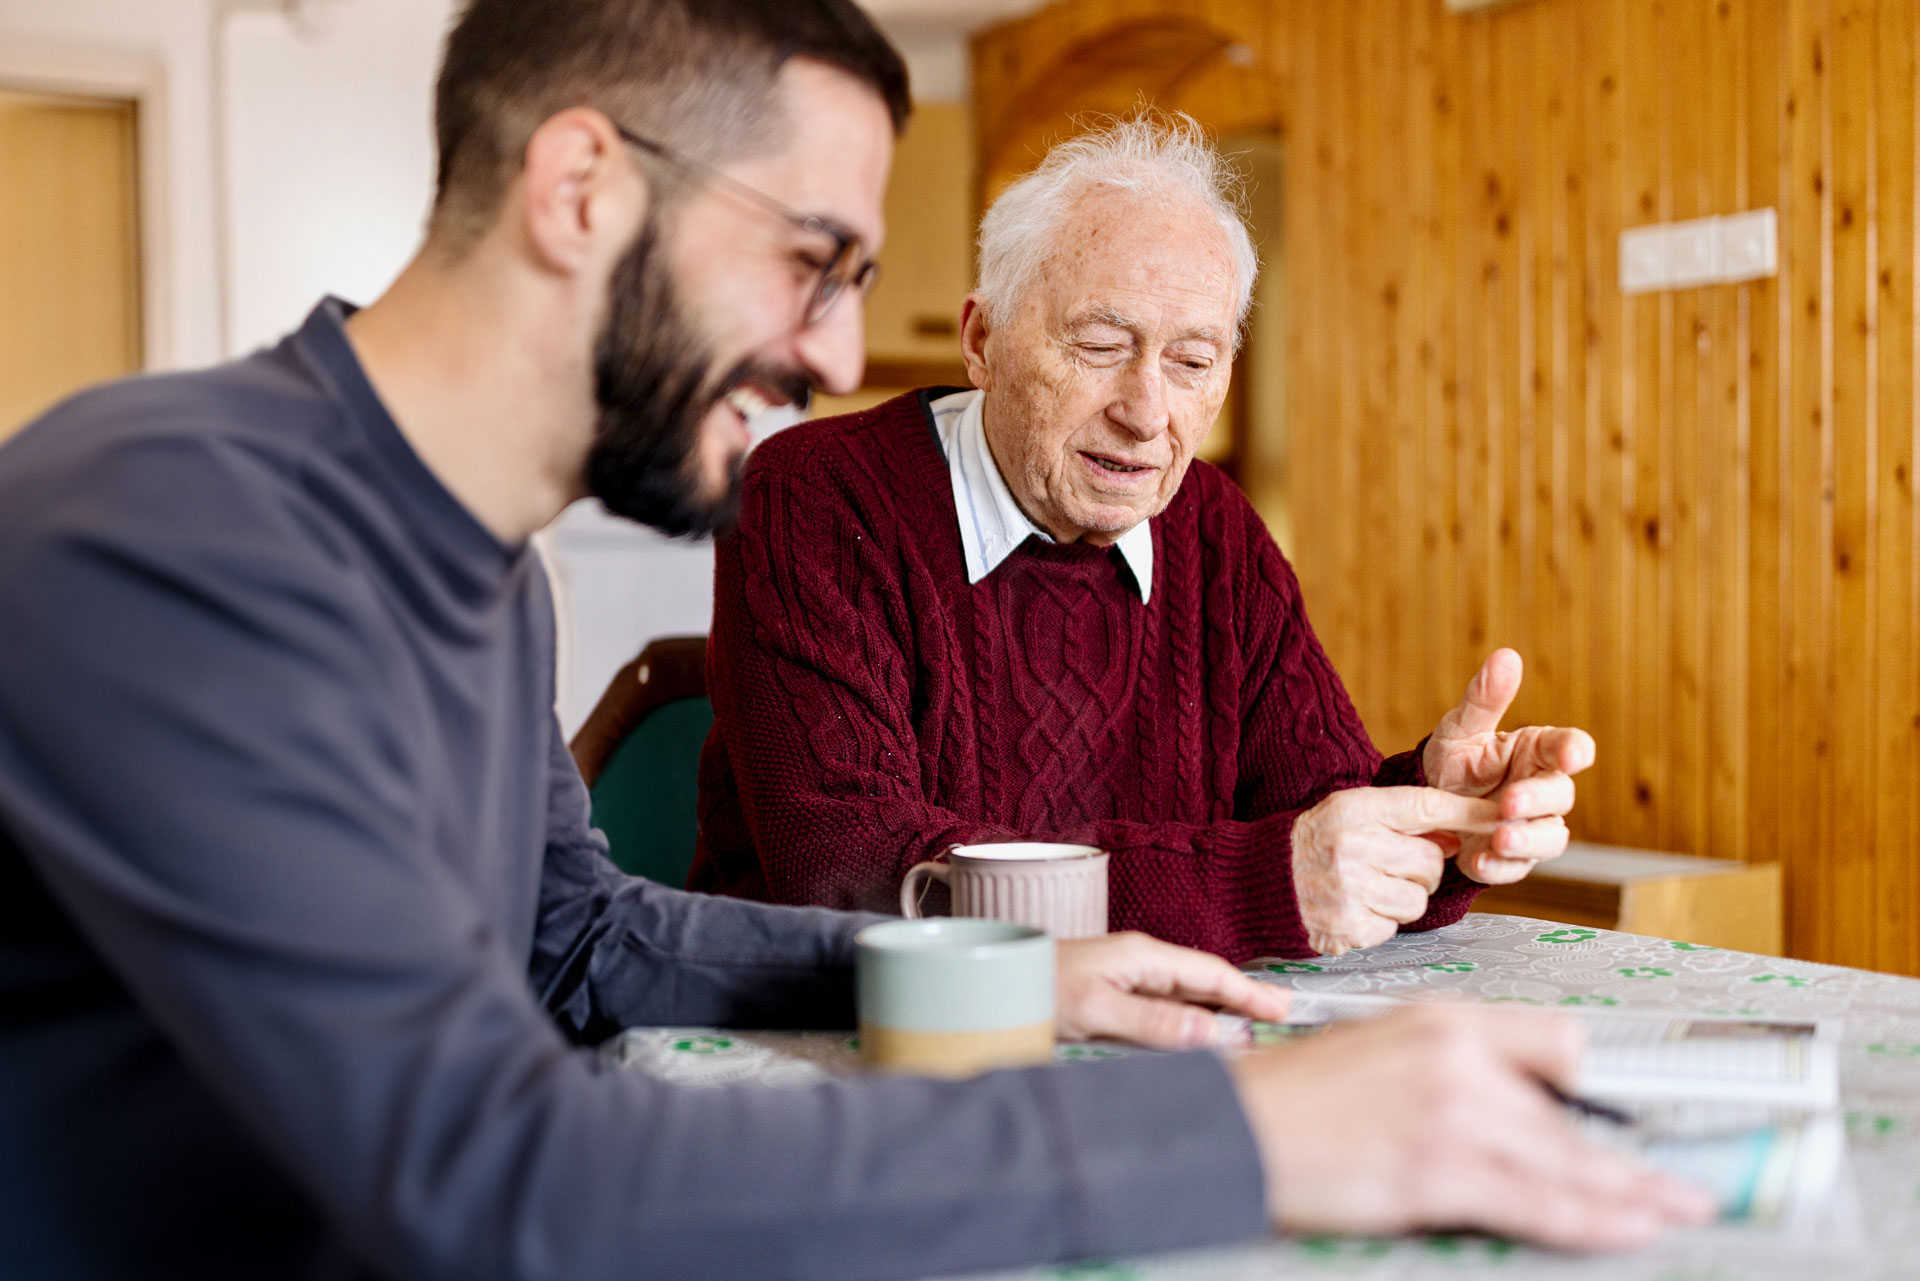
1024, 611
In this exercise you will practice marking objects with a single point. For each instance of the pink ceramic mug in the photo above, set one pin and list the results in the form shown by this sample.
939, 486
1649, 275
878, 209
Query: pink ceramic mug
1061, 889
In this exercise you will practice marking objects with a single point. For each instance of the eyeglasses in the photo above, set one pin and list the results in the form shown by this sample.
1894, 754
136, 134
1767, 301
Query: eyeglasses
844, 269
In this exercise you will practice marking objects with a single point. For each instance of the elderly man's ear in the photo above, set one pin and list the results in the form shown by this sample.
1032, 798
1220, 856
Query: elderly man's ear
974, 333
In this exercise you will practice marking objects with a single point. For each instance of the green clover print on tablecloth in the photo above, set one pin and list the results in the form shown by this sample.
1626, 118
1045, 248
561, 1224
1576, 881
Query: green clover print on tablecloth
1458, 1248
1453, 967
1791, 980
703, 1044
1872, 1125
1329, 1248
1568, 935
1295, 967
1588, 1001
1895, 1050
1645, 972
1690, 947
1082, 1053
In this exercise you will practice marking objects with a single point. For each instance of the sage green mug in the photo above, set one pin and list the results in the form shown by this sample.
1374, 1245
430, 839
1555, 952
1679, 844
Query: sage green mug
951, 996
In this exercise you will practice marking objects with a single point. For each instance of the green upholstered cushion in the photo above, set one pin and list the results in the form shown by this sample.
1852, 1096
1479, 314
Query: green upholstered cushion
646, 799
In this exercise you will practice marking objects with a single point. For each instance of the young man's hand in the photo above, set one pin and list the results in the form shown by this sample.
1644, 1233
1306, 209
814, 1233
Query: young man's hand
1134, 988
1435, 1117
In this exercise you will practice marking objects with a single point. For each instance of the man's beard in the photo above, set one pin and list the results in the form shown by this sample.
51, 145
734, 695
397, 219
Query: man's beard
654, 383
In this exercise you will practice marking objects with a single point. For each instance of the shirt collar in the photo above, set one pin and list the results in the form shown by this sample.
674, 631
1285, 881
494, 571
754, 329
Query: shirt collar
991, 522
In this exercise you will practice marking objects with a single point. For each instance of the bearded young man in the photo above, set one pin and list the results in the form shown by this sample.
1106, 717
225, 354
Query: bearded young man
301, 921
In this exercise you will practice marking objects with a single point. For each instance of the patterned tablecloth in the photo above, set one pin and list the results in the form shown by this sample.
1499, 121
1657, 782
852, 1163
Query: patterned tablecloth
1874, 1235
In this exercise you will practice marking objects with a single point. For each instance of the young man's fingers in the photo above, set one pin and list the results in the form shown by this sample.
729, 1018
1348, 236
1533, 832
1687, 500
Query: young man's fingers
1596, 1198
1184, 974
1151, 1021
1528, 1042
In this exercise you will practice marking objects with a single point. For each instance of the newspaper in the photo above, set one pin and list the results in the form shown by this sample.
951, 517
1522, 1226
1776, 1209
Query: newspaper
1745, 1107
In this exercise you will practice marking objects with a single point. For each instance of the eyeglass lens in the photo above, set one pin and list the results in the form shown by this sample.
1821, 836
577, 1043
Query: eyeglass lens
847, 270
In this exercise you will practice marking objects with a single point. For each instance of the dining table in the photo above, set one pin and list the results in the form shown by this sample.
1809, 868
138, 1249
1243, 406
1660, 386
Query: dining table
1870, 1232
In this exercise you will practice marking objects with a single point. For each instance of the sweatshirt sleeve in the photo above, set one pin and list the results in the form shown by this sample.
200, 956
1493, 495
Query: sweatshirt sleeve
815, 688
204, 773
613, 951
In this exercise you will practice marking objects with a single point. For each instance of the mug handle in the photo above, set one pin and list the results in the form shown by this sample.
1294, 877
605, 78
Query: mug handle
910, 889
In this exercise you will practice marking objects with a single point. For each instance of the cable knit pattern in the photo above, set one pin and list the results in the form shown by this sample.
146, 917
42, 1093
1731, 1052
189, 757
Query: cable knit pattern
873, 708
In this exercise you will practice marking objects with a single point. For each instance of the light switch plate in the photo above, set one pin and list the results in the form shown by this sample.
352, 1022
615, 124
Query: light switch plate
1695, 252
1750, 245
1646, 258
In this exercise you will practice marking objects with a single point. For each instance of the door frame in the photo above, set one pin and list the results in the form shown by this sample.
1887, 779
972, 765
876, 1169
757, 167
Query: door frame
101, 73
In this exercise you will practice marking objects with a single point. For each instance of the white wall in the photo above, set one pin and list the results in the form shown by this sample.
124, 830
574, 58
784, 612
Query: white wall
330, 154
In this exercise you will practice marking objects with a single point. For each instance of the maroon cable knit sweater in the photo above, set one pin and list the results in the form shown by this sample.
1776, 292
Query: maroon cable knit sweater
873, 708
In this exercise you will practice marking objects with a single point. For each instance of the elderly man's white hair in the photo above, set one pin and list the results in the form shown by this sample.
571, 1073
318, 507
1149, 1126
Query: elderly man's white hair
1152, 153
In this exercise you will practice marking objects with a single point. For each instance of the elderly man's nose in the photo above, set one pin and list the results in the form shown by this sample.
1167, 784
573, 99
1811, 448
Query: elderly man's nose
1141, 407
834, 351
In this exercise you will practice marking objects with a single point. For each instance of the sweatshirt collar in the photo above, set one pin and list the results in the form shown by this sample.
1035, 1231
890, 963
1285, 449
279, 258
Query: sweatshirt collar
991, 522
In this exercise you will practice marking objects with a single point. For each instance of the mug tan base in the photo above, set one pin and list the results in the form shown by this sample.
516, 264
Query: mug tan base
955, 1053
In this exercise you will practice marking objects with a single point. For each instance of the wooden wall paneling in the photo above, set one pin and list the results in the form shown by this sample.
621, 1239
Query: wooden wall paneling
1646, 349
1683, 499
1852, 379
1309, 329
1694, 512
1539, 604
1479, 389
1806, 272
1571, 375
1510, 350
1896, 604
1769, 307
1725, 453
1405, 295
1601, 527
1344, 536
1451, 281
1368, 458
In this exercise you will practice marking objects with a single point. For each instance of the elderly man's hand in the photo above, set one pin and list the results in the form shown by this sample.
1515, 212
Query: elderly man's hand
1366, 859
1528, 771
1134, 988
1435, 1118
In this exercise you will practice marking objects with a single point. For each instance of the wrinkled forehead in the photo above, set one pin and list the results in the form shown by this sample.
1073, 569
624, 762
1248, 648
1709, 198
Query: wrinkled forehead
1155, 257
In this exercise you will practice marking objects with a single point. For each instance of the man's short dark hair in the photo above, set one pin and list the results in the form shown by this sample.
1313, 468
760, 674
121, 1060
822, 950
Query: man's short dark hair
697, 75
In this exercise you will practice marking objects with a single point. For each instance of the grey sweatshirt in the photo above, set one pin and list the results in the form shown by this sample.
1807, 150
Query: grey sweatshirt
302, 922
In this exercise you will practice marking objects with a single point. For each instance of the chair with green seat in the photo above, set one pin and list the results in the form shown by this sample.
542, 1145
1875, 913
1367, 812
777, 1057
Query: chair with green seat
639, 752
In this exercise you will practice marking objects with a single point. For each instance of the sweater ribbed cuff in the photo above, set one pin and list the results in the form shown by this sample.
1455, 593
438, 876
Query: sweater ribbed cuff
1254, 885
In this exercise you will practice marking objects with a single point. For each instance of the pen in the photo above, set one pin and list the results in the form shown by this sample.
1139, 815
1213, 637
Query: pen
1586, 1107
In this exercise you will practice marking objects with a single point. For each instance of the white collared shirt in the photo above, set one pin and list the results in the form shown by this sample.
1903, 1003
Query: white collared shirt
991, 522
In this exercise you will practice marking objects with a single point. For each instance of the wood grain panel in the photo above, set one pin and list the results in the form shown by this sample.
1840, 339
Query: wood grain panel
1692, 511
69, 249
